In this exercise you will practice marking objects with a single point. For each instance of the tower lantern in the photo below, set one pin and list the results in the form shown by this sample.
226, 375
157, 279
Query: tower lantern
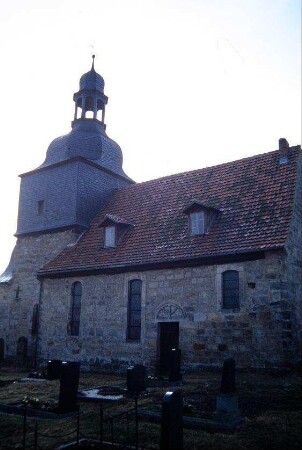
90, 100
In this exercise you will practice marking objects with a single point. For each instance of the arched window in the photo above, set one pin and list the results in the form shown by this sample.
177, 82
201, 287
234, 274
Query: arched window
230, 289
134, 310
89, 107
76, 295
34, 323
78, 111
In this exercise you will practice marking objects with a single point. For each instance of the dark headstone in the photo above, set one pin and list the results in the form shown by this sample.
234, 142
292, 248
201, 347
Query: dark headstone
227, 410
69, 384
136, 378
228, 385
174, 365
171, 436
1, 350
54, 369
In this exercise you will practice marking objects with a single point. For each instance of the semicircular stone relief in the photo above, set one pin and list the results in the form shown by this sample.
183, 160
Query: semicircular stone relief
170, 312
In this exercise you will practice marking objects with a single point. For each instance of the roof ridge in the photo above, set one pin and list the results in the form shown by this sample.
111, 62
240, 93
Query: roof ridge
228, 163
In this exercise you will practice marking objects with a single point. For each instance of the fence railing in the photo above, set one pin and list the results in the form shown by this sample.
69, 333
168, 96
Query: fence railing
119, 429
29, 430
122, 428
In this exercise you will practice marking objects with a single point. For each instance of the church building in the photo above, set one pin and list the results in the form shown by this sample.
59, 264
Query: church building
111, 272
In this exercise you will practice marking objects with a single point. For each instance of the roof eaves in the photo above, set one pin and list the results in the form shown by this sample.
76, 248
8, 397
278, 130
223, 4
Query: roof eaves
218, 258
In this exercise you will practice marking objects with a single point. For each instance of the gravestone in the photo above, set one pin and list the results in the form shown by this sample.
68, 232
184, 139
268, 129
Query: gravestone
69, 384
22, 351
227, 410
54, 369
228, 384
1, 350
171, 435
136, 378
174, 365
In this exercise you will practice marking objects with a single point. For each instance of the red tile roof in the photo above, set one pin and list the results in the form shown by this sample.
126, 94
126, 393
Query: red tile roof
255, 195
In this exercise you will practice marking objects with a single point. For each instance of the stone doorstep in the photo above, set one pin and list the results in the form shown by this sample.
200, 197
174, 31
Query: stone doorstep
218, 426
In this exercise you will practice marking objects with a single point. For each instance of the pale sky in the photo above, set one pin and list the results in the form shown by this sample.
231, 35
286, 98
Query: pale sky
191, 83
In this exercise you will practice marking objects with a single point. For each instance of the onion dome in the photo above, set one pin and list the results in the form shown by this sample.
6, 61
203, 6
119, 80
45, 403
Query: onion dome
92, 80
88, 138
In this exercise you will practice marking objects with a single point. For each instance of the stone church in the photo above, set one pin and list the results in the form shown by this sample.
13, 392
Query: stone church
109, 272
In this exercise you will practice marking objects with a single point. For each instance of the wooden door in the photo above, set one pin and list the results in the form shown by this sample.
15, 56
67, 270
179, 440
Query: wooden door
168, 339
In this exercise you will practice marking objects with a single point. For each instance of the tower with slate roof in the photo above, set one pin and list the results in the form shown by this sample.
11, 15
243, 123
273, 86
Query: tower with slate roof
57, 202
80, 171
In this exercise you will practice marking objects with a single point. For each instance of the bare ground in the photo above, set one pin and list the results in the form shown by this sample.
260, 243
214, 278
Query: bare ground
270, 404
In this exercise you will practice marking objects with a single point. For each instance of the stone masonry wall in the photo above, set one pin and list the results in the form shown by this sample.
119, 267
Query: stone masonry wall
291, 284
18, 298
207, 333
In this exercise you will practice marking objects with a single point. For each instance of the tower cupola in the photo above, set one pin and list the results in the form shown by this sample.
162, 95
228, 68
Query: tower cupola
90, 100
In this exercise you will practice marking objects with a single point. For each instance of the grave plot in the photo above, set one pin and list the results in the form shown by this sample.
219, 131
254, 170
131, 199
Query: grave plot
269, 403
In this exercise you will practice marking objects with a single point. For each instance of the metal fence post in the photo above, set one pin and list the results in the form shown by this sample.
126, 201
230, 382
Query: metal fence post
136, 422
24, 427
78, 425
101, 424
111, 429
36, 436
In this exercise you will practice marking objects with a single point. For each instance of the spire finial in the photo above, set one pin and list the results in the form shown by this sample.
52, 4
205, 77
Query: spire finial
92, 67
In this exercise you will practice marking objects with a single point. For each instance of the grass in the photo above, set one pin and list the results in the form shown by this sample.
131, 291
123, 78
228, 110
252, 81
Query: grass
270, 405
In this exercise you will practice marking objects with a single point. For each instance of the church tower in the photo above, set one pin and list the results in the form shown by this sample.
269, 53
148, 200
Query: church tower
80, 171
56, 204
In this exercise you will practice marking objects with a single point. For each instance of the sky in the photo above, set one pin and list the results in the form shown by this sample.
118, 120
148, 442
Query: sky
191, 83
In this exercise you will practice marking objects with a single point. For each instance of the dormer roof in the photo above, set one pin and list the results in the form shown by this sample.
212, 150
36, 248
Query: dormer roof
110, 219
194, 205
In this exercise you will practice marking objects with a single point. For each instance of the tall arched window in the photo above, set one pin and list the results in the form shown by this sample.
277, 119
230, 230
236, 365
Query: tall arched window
230, 289
134, 310
76, 295
34, 323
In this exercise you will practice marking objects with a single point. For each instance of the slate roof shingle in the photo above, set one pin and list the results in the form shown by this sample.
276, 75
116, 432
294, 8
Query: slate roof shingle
255, 196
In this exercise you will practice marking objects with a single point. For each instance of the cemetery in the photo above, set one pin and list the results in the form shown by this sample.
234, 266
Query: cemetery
211, 409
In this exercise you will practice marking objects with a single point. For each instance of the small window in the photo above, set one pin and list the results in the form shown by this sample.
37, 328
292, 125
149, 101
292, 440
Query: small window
230, 289
40, 207
134, 310
197, 223
76, 295
109, 236
34, 323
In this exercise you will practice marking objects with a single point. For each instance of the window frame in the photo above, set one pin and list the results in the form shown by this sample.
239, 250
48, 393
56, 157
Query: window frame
195, 214
112, 242
41, 207
227, 304
132, 311
75, 309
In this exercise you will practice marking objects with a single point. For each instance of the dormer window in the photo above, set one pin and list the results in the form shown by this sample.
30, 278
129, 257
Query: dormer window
110, 237
197, 223
114, 229
201, 217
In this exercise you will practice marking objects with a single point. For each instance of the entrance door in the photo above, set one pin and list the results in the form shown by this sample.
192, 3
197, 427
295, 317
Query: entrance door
168, 339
